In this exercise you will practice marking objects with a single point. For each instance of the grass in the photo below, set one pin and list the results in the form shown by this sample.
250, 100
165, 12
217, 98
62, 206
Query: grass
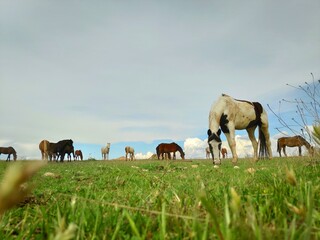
276, 198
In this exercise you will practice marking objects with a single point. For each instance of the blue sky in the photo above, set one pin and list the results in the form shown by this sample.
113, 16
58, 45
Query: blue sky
138, 73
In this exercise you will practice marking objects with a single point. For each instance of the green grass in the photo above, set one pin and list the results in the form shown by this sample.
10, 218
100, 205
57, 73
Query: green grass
171, 200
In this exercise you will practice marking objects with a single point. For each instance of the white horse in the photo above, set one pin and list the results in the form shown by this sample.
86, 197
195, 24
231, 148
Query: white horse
105, 152
129, 150
228, 114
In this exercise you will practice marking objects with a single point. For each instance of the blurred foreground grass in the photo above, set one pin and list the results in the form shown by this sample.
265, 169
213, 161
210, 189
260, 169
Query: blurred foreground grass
276, 198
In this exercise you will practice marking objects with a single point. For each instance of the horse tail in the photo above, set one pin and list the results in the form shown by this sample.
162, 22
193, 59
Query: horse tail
278, 146
263, 152
158, 152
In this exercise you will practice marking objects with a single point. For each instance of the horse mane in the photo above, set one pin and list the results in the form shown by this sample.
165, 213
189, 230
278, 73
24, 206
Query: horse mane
179, 148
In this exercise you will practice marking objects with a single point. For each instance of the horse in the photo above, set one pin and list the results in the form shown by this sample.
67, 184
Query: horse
59, 149
105, 152
164, 148
69, 150
9, 150
129, 150
229, 114
78, 154
223, 152
295, 141
43, 146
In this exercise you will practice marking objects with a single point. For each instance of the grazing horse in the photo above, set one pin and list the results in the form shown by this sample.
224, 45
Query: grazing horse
78, 154
43, 146
9, 151
296, 141
105, 152
129, 150
228, 114
223, 152
167, 148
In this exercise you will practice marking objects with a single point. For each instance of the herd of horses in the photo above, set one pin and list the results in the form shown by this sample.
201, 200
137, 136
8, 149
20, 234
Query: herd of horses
226, 115
53, 151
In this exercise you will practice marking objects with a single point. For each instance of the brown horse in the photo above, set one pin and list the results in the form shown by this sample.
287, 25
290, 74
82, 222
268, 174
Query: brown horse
9, 151
223, 152
296, 141
53, 150
163, 148
43, 146
78, 154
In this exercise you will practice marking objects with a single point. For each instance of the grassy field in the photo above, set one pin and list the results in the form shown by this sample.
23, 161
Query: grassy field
272, 199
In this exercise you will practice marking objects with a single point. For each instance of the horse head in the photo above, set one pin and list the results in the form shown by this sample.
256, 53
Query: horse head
214, 142
311, 151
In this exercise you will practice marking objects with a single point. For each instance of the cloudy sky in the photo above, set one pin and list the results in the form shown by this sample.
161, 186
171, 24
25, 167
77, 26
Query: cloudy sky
142, 72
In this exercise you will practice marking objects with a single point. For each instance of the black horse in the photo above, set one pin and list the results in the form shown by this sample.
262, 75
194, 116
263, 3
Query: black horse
60, 148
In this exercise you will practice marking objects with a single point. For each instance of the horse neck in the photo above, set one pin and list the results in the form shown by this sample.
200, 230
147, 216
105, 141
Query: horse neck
216, 111
179, 149
305, 142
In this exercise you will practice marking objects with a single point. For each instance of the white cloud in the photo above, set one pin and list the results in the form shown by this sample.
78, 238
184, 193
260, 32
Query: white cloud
195, 148
143, 156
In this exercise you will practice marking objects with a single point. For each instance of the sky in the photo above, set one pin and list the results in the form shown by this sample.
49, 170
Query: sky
143, 72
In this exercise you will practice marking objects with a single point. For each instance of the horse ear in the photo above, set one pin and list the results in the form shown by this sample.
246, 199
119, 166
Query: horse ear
209, 132
219, 132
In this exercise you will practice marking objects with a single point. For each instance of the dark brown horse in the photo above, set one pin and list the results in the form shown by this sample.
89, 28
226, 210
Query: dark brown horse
296, 141
168, 148
59, 149
9, 151
78, 154
69, 149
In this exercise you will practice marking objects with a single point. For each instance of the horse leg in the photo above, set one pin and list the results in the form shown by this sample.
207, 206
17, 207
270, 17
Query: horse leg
284, 151
232, 144
254, 142
299, 151
280, 148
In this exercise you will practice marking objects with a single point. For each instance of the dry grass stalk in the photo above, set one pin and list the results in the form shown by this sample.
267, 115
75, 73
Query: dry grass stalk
13, 188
